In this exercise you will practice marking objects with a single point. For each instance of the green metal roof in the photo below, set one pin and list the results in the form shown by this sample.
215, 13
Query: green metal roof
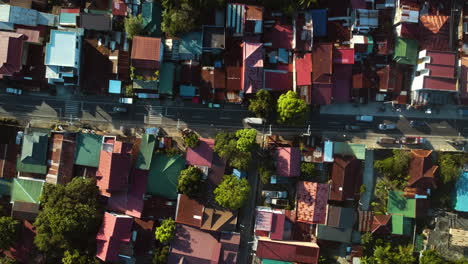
166, 78
145, 154
272, 261
163, 175
33, 153
26, 190
406, 51
151, 13
345, 148
88, 149
5, 187
190, 46
401, 225
68, 18
399, 205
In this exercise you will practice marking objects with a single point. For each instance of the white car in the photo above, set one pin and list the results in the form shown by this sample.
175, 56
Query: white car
14, 91
365, 118
387, 126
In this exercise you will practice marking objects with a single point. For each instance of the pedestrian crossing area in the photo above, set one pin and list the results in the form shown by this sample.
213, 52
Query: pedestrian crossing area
72, 109
154, 116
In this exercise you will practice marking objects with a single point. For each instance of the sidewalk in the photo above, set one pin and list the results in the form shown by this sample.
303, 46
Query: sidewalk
440, 112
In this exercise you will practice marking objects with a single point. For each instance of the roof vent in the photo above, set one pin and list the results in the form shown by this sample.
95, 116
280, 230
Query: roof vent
341, 189
197, 217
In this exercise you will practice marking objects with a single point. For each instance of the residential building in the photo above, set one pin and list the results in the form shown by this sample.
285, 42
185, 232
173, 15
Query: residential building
189, 211
63, 57
219, 219
304, 75
406, 16
346, 174
213, 38
147, 53
289, 251
406, 51
412, 207
202, 155
402, 225
24, 211
339, 227
205, 247
88, 149
60, 158
166, 78
273, 224
114, 233
190, 47
422, 170
365, 20
8, 159
26, 190
33, 157
10, 15
319, 21
279, 80
96, 22
69, 17
11, 52
244, 19
322, 74
288, 162
376, 224
252, 72
163, 175
312, 201
145, 152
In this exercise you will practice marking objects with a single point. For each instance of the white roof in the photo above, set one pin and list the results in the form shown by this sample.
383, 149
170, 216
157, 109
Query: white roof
61, 49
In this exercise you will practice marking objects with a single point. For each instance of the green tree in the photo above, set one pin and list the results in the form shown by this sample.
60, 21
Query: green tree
232, 192
308, 172
133, 26
291, 108
395, 167
431, 257
385, 254
165, 232
7, 260
8, 232
189, 182
450, 169
225, 145
179, 19
262, 105
246, 139
70, 218
241, 160
74, 257
191, 139
160, 255
265, 174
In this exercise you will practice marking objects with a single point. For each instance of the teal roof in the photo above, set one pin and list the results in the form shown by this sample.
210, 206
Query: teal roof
88, 149
461, 192
400, 205
406, 51
187, 90
166, 78
61, 50
5, 187
345, 148
163, 175
272, 261
34, 153
190, 46
145, 154
115, 87
151, 13
68, 18
26, 190
401, 225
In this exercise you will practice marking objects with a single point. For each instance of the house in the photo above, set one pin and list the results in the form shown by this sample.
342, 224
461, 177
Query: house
321, 73
312, 201
69, 17
145, 152
279, 80
151, 12
166, 78
244, 19
213, 38
279, 36
26, 190
365, 20
119, 8
189, 211
434, 32
252, 72
376, 224
147, 53
288, 162
24, 211
339, 227
319, 18
340, 217
407, 11
390, 79
33, 158
463, 86
274, 224
288, 251
96, 22
201, 155
343, 56
63, 57
422, 170
402, 225
163, 175
435, 73
190, 46
304, 70
115, 232
114, 167
10, 15
11, 52
406, 51
88, 149
219, 219
398, 204
346, 172
60, 158
341, 78
304, 32
191, 246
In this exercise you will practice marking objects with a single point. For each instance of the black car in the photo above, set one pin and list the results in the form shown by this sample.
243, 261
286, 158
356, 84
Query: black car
417, 123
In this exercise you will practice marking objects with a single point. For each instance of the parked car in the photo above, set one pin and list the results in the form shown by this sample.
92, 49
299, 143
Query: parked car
417, 123
14, 91
387, 140
387, 126
352, 128
275, 194
364, 118
126, 100
280, 202
412, 140
119, 109
254, 120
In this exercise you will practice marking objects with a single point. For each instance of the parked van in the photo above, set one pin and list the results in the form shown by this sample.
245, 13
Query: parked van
254, 120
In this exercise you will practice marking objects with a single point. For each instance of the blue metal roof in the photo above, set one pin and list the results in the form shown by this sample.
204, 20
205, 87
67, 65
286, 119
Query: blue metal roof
115, 87
461, 201
319, 17
187, 90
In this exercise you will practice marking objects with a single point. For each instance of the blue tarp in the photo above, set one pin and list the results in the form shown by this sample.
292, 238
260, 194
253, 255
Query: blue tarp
319, 17
115, 87
461, 201
328, 151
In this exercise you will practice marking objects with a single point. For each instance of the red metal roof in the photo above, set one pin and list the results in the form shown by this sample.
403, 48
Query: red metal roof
312, 201
201, 155
277, 229
278, 80
341, 91
263, 221
442, 84
288, 162
293, 251
115, 230
304, 70
464, 79
11, 52
146, 52
280, 36
345, 170
441, 70
442, 57
233, 78
322, 63
189, 211
434, 32
321, 93
119, 8
343, 56
252, 73
33, 34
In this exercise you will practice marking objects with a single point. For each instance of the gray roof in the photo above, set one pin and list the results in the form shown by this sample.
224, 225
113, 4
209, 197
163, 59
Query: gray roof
34, 149
98, 22
213, 37
329, 233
